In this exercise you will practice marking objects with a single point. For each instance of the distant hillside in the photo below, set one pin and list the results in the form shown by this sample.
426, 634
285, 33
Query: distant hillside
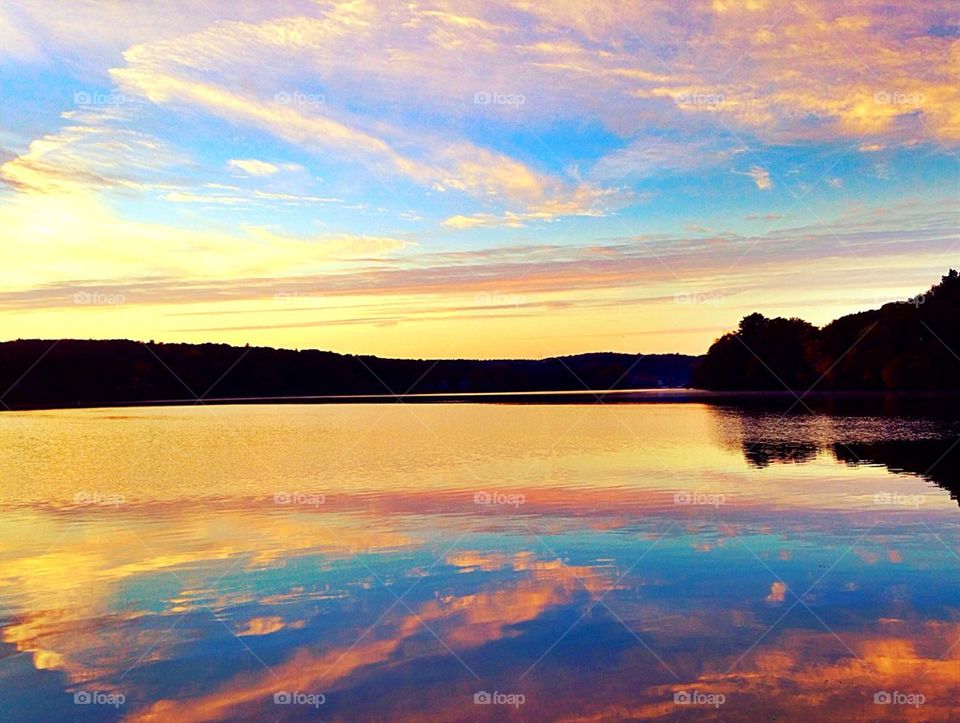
74, 372
913, 345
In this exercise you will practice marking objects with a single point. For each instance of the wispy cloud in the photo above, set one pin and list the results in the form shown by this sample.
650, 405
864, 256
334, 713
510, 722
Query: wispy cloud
218, 152
254, 167
760, 176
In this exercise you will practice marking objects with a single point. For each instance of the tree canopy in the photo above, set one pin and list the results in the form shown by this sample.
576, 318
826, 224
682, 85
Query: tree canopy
910, 345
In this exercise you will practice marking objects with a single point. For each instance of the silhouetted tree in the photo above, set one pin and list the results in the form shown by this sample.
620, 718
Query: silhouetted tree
763, 354
909, 345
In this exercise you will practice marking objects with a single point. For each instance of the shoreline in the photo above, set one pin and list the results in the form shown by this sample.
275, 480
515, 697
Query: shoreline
666, 395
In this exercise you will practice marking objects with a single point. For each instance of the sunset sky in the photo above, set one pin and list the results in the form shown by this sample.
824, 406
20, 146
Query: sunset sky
470, 178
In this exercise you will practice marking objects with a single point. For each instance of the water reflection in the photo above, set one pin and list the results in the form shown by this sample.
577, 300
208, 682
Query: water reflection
763, 454
922, 447
600, 563
937, 460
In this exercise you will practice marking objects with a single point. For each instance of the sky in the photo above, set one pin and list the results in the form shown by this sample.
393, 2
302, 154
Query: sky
516, 178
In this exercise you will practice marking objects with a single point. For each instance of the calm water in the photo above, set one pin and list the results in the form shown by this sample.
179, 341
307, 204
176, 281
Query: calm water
393, 562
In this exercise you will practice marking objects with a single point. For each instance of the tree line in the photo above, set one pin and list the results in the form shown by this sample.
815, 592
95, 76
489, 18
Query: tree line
910, 345
71, 372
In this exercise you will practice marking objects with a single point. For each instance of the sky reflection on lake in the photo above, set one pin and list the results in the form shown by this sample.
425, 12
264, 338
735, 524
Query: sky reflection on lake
392, 562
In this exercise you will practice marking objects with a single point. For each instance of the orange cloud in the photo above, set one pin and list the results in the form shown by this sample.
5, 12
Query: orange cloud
462, 622
778, 593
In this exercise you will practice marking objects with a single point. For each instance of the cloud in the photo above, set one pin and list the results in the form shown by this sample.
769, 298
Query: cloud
760, 176
332, 246
15, 41
780, 75
78, 235
92, 152
85, 34
667, 153
253, 167
259, 262
440, 163
225, 195
621, 102
785, 73
582, 201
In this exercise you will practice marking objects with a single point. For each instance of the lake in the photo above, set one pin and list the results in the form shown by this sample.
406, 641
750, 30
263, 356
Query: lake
478, 562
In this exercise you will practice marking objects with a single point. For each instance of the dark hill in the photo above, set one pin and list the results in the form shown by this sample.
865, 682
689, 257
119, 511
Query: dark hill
41, 373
